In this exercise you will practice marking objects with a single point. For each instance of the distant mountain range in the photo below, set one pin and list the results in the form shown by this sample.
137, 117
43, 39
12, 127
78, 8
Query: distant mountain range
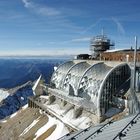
17, 71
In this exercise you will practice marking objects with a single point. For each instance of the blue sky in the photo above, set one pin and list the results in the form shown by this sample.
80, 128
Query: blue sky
63, 27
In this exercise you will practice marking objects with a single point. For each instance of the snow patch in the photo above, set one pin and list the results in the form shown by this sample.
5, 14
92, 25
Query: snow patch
55, 68
24, 107
3, 94
67, 118
60, 130
13, 115
36, 83
4, 121
22, 98
44, 97
29, 127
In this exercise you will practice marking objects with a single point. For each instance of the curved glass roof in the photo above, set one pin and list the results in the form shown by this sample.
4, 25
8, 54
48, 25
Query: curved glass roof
91, 81
115, 84
73, 76
98, 83
60, 73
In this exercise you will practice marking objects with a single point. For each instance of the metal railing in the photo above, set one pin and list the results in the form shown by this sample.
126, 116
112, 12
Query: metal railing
121, 133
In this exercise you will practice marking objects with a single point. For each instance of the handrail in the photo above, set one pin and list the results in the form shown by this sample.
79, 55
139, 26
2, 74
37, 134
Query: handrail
97, 131
120, 134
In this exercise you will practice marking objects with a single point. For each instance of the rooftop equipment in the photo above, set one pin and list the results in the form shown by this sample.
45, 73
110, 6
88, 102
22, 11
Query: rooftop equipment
99, 44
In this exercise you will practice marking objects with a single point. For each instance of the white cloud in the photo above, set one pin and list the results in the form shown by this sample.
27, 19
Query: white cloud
42, 10
91, 26
44, 52
47, 11
81, 39
119, 26
84, 39
27, 3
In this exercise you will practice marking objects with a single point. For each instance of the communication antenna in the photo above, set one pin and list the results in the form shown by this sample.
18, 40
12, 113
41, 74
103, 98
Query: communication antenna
135, 60
102, 32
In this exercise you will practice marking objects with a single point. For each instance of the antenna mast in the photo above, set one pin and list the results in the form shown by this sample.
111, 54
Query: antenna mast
102, 32
135, 60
